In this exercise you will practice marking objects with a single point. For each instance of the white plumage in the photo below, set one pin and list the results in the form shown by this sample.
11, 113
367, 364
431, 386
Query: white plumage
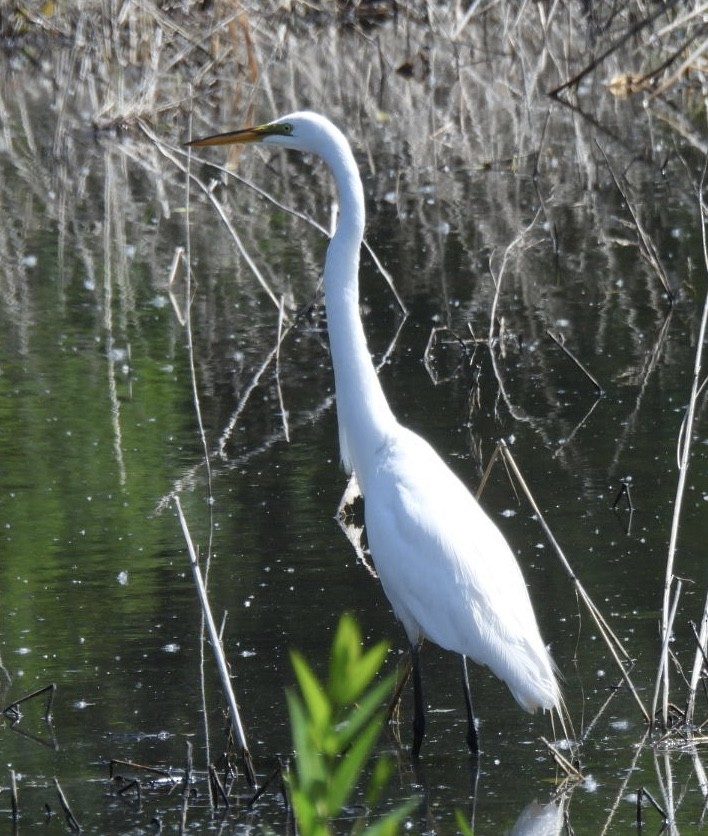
444, 565
448, 572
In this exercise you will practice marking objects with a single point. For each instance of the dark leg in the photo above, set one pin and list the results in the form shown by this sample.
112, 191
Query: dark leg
418, 706
472, 738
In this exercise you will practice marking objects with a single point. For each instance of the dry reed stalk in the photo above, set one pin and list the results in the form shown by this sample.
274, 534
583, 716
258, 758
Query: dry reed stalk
700, 662
433, 339
614, 645
661, 687
279, 340
205, 450
245, 397
642, 793
686, 433
178, 262
222, 666
562, 762
667, 783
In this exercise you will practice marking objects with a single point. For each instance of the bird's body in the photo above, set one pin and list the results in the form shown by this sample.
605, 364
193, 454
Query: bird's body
448, 572
444, 565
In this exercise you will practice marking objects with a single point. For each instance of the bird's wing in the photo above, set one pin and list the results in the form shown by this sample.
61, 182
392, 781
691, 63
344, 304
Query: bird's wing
446, 568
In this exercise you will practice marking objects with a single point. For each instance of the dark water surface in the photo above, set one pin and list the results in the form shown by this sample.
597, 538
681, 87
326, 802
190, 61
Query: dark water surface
97, 426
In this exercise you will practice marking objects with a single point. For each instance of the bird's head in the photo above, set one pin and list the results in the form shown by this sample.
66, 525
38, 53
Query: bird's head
303, 131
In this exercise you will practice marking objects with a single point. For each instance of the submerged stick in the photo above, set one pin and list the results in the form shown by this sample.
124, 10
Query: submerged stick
216, 789
12, 711
219, 657
153, 770
276, 773
13, 797
562, 762
70, 817
132, 785
186, 784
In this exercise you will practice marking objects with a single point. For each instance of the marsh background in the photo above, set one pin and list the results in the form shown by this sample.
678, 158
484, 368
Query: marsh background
475, 178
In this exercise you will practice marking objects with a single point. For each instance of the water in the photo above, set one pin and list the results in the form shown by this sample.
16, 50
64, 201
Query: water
98, 426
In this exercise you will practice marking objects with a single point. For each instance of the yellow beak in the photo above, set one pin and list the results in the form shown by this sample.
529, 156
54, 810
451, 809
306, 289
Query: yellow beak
231, 137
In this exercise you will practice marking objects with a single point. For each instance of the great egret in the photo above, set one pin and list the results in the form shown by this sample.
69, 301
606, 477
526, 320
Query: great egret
444, 565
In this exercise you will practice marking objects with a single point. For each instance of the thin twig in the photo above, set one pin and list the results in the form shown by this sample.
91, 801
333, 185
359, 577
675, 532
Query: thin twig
561, 344
629, 33
500, 275
646, 245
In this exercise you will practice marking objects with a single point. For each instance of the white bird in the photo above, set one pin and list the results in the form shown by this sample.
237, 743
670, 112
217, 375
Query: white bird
444, 565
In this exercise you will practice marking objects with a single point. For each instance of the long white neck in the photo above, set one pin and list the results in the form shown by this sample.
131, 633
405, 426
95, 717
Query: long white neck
365, 418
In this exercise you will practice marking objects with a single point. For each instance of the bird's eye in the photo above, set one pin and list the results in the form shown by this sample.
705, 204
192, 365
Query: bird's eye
287, 128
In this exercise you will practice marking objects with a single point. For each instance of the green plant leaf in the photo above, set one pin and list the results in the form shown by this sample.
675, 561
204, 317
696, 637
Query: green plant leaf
316, 701
362, 713
383, 769
310, 769
346, 648
349, 768
391, 823
332, 740
362, 670
351, 670
462, 823
310, 823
